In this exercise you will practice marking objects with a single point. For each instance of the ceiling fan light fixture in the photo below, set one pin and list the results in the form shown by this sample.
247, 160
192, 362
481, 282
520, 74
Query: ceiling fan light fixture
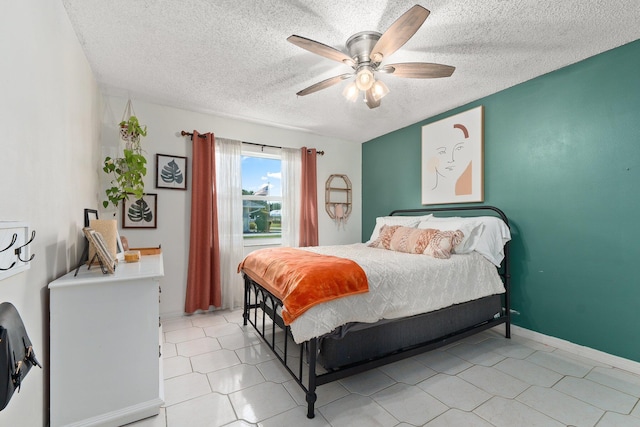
364, 78
351, 92
380, 90
365, 52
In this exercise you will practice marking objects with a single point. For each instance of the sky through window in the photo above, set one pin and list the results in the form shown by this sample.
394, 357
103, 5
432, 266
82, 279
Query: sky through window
259, 171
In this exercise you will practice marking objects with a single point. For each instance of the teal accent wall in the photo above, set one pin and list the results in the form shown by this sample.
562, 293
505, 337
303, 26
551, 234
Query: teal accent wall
562, 159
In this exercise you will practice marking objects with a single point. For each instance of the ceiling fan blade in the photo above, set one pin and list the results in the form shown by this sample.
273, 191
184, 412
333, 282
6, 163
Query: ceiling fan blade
370, 100
418, 70
321, 49
324, 84
399, 32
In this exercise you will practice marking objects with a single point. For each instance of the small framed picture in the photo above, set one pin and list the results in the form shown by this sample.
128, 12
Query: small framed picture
140, 213
89, 214
171, 172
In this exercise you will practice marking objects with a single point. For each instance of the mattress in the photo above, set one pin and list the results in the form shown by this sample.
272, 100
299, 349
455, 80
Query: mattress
400, 285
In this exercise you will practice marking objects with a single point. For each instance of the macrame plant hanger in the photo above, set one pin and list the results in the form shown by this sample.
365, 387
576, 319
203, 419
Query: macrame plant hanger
131, 139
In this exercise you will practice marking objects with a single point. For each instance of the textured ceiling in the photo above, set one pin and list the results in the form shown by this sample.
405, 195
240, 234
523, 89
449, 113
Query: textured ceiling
231, 57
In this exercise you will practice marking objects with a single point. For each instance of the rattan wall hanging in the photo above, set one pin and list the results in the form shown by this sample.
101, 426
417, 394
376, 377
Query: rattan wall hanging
338, 198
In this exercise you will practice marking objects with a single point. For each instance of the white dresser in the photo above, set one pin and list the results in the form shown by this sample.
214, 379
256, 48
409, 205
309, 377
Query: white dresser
105, 345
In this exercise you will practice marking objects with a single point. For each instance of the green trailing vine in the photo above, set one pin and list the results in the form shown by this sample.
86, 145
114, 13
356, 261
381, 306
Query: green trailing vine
127, 172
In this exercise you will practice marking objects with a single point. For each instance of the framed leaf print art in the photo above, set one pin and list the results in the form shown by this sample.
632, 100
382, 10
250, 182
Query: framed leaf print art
171, 172
140, 213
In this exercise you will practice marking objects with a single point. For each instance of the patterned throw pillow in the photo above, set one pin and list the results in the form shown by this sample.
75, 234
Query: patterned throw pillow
435, 243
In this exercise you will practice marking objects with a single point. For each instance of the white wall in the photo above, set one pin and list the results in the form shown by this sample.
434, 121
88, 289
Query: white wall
164, 126
49, 145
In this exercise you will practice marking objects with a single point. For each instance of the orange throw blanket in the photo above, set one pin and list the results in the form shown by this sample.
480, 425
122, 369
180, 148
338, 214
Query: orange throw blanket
302, 279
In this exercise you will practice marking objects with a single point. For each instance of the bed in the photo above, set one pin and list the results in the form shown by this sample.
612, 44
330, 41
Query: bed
413, 302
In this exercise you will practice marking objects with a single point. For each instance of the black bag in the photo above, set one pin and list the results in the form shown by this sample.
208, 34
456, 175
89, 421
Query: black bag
16, 353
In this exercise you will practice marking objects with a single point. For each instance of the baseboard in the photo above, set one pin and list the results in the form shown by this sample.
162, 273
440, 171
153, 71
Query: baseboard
579, 350
171, 315
123, 416
178, 314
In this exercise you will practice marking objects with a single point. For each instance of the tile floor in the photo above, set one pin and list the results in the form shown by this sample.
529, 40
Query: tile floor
218, 373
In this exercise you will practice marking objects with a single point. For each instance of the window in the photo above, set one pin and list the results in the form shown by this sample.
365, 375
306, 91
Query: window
261, 199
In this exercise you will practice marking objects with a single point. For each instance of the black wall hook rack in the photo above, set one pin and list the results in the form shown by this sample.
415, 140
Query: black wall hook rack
18, 250
14, 247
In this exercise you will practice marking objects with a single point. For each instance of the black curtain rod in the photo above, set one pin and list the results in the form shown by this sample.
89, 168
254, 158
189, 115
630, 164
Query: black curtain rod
320, 153
185, 133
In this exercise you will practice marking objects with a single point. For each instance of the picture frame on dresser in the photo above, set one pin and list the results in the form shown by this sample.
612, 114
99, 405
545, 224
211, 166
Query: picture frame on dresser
89, 214
107, 262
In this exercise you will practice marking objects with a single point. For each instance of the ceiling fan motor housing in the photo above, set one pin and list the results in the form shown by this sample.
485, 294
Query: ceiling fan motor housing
360, 45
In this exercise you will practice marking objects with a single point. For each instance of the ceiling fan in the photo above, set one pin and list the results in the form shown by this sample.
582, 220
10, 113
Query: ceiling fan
366, 52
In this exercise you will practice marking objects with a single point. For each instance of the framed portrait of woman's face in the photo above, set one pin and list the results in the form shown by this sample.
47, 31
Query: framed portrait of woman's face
452, 159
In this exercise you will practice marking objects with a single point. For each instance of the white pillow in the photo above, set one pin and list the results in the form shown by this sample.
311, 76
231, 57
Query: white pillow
405, 221
471, 230
494, 236
490, 244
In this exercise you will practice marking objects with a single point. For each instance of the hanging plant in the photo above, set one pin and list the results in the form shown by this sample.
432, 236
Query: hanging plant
131, 131
127, 172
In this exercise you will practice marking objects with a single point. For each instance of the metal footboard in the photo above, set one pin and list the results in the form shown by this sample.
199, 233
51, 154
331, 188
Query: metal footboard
261, 310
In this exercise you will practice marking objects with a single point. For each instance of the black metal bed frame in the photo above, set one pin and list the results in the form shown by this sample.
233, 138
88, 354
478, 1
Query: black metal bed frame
300, 359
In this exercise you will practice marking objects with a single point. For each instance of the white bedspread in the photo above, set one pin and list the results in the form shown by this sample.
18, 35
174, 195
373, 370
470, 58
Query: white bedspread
400, 285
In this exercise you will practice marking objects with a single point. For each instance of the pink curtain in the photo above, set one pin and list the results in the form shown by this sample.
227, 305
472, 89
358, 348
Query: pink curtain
203, 277
309, 199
